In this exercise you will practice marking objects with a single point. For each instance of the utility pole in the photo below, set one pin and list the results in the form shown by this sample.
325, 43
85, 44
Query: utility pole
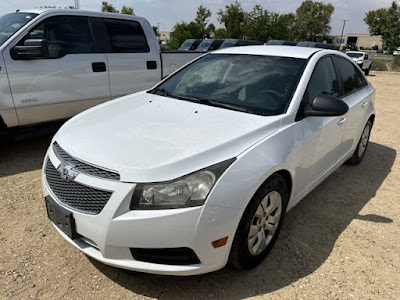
77, 4
341, 37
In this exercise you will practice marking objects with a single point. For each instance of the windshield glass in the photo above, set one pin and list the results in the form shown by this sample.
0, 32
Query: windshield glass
204, 45
186, 45
354, 55
227, 45
10, 23
261, 85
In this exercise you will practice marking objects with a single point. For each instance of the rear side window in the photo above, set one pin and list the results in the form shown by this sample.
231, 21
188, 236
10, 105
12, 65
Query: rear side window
351, 78
65, 35
126, 36
323, 81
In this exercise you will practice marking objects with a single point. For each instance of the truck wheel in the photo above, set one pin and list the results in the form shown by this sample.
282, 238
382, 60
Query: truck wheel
366, 72
260, 224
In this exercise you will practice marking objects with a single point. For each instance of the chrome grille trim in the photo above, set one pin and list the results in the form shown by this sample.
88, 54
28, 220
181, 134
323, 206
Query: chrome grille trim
82, 166
73, 194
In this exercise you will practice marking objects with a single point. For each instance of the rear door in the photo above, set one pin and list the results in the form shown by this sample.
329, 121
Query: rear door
133, 64
71, 80
354, 94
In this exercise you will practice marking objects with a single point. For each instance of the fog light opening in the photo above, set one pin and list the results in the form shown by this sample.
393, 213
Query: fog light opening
219, 243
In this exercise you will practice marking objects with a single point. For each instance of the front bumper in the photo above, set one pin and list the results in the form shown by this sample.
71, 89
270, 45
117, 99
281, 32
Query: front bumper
109, 236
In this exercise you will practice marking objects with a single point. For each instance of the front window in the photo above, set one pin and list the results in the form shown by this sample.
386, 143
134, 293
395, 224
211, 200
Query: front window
11, 23
255, 84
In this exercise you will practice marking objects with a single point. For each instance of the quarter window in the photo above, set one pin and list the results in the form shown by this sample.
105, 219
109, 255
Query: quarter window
323, 81
351, 77
126, 36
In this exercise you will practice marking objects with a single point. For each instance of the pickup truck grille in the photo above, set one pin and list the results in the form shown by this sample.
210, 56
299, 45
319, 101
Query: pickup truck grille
84, 167
75, 195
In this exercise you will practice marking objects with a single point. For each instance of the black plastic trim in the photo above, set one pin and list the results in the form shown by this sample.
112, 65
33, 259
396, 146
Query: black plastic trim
166, 256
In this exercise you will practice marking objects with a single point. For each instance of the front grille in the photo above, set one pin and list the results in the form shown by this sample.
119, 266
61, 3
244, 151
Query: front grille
166, 256
75, 195
84, 167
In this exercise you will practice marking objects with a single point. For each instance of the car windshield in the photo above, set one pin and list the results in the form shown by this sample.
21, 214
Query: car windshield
227, 45
186, 46
354, 55
256, 84
204, 45
10, 23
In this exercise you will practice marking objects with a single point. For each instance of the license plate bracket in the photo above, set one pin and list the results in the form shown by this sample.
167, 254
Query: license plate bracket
61, 217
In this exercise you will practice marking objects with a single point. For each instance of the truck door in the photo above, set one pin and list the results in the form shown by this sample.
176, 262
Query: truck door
71, 79
133, 60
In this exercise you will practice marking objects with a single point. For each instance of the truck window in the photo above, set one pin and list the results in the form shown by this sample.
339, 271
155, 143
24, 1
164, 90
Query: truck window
11, 23
65, 35
126, 36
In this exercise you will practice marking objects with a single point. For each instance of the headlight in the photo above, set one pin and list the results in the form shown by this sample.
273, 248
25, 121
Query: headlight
187, 191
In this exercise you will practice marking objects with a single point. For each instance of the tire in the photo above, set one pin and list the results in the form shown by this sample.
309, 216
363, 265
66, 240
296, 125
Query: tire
362, 145
273, 194
366, 72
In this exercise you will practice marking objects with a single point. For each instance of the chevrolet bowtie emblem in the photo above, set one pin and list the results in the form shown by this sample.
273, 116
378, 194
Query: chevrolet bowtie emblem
67, 172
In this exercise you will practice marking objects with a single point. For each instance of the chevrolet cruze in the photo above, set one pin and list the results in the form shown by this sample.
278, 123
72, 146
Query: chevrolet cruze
200, 170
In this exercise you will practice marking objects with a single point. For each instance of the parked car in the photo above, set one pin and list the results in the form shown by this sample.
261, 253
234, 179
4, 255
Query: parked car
316, 45
361, 59
209, 45
235, 43
396, 52
190, 44
201, 169
56, 63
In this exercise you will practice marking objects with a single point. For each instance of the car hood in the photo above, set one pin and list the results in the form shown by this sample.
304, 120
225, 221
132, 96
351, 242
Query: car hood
151, 138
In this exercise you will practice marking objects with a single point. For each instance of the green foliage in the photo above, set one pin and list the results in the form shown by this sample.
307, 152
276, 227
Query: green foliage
202, 16
378, 65
183, 31
385, 22
312, 20
233, 17
155, 29
263, 25
396, 64
108, 7
221, 33
127, 10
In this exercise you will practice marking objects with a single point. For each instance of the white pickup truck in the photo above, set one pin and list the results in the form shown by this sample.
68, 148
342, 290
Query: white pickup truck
56, 63
361, 59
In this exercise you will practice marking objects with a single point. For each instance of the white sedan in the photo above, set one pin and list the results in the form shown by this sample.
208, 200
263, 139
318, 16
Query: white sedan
200, 170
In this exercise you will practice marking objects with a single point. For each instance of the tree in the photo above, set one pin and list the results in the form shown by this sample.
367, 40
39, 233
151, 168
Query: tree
202, 16
156, 32
127, 10
221, 33
385, 22
108, 7
233, 18
312, 20
183, 31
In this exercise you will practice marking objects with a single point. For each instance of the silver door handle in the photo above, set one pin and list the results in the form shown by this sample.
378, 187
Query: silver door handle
364, 104
341, 121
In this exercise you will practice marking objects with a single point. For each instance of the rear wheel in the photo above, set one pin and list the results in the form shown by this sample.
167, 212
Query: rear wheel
260, 224
359, 153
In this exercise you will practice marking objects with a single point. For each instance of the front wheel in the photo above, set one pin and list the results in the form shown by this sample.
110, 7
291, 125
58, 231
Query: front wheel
359, 153
366, 72
260, 224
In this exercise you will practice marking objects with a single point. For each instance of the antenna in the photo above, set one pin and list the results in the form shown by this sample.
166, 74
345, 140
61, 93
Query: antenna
77, 4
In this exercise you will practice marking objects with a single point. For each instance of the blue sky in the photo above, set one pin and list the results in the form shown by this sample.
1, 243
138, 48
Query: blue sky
168, 12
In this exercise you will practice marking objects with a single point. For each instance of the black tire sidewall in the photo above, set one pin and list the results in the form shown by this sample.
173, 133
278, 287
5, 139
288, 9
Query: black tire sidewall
243, 258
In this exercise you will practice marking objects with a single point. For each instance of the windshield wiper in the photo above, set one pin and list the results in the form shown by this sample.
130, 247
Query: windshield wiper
163, 91
211, 103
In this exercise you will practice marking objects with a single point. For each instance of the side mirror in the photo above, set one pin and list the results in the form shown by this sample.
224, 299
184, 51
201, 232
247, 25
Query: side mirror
32, 49
326, 106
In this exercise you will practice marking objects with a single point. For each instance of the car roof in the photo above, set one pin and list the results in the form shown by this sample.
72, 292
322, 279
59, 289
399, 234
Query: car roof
272, 50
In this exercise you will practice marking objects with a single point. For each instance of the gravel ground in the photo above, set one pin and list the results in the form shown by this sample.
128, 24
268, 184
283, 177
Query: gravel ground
340, 242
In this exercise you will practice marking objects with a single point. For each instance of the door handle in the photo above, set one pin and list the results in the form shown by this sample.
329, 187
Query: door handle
364, 104
99, 67
341, 121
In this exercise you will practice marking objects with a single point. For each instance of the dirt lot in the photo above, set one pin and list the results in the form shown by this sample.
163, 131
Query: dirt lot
340, 242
